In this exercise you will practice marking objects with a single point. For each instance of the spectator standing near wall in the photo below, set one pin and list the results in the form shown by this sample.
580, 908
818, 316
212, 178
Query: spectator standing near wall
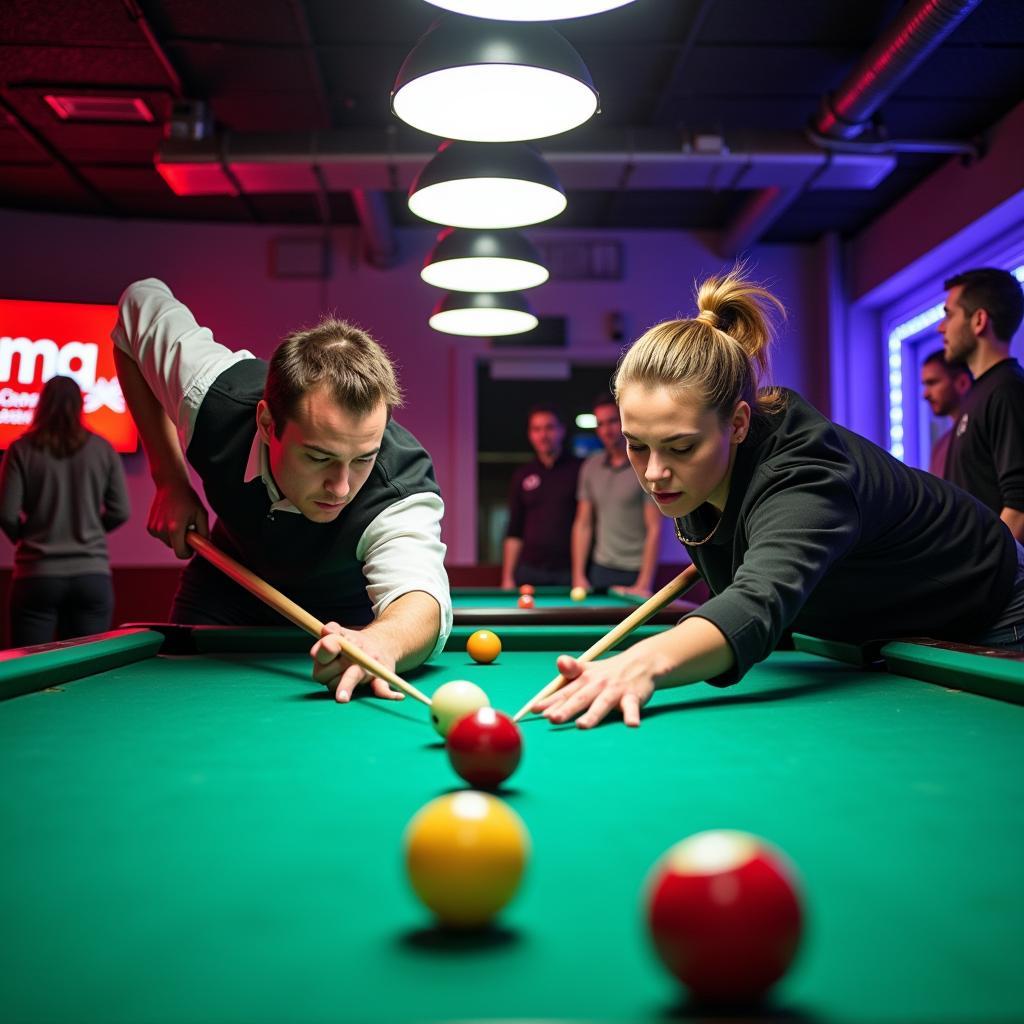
617, 527
542, 506
62, 489
983, 311
945, 385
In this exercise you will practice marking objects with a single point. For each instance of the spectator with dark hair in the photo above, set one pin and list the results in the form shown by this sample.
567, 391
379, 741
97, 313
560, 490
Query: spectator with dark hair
945, 385
983, 310
541, 507
316, 488
617, 528
62, 490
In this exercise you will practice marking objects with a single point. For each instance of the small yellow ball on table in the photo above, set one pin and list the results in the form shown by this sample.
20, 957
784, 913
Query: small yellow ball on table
465, 854
453, 701
578, 593
483, 646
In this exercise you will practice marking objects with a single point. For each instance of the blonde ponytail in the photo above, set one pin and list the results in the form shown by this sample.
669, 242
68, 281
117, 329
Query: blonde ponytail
721, 355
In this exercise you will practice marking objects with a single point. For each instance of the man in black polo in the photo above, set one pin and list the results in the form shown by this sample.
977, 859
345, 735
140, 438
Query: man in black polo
983, 310
542, 506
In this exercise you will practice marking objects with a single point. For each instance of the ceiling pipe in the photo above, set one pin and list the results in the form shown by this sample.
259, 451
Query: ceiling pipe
898, 52
759, 212
379, 242
143, 25
919, 30
349, 160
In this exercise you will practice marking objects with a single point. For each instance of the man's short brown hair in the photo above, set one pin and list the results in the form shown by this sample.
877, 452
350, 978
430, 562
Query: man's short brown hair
336, 355
997, 292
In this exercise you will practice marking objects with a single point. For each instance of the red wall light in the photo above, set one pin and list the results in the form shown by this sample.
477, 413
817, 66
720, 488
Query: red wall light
40, 340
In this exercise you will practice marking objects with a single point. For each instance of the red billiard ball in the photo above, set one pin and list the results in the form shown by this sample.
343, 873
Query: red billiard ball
525, 601
527, 588
724, 914
485, 748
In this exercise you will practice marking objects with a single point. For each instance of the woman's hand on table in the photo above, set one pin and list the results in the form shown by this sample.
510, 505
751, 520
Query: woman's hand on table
595, 688
339, 674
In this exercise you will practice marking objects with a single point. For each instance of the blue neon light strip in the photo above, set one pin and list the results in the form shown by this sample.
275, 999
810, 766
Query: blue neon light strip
897, 336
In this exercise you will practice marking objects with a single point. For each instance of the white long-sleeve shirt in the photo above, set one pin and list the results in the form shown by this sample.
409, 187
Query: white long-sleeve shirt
401, 549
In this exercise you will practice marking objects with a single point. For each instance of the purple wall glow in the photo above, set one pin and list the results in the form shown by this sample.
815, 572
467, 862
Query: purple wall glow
221, 272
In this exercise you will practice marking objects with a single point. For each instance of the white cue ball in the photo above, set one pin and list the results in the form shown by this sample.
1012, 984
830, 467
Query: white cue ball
578, 594
453, 701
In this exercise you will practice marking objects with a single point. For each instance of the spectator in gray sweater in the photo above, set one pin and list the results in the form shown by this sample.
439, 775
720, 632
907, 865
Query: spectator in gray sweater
62, 490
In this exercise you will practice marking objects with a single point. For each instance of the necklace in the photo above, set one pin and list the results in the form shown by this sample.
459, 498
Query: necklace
689, 541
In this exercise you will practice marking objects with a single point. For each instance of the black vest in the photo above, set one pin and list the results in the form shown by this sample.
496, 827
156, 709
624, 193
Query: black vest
313, 563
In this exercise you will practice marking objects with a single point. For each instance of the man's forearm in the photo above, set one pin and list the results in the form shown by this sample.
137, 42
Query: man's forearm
1014, 519
409, 627
582, 536
510, 557
159, 438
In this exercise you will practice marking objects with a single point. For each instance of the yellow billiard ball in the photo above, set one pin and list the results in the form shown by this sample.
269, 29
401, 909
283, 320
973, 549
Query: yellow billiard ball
453, 701
465, 854
483, 646
578, 593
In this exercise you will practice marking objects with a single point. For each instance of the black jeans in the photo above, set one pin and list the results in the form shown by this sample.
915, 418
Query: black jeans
45, 608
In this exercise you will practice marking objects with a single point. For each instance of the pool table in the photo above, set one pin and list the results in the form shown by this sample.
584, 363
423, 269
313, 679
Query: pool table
492, 606
193, 831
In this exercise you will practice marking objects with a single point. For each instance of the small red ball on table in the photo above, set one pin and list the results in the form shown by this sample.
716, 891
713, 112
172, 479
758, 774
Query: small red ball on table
485, 748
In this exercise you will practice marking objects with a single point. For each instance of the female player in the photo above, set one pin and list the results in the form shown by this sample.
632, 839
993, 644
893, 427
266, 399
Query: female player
792, 520
62, 490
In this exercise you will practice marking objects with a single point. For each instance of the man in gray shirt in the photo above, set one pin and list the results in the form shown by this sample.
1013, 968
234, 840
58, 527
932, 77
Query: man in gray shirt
616, 526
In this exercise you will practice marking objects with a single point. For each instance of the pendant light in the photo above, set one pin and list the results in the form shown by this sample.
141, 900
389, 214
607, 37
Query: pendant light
483, 314
529, 10
483, 261
479, 185
493, 81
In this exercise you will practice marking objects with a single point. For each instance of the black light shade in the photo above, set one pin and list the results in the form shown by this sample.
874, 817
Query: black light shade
483, 261
483, 315
480, 185
493, 81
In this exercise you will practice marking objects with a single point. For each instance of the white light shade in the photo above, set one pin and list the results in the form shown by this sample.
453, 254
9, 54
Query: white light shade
483, 315
493, 81
481, 274
487, 203
529, 10
483, 261
479, 185
586, 421
495, 103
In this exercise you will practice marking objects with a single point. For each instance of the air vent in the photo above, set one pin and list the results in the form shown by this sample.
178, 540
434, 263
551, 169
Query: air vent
101, 108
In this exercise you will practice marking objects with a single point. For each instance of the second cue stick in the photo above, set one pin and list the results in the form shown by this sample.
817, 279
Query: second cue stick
673, 589
284, 605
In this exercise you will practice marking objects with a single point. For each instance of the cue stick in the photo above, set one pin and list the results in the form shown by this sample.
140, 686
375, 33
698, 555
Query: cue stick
673, 589
296, 613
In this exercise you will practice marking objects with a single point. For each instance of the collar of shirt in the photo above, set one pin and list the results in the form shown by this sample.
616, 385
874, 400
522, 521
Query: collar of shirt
610, 465
259, 466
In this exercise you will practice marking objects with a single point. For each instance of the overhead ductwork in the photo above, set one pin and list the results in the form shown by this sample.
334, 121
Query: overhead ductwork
922, 27
368, 165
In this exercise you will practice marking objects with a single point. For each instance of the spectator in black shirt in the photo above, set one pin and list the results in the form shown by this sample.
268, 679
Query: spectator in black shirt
542, 506
790, 519
983, 310
944, 387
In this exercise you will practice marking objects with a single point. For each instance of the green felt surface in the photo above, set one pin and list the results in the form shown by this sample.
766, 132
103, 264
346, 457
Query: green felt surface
211, 839
544, 597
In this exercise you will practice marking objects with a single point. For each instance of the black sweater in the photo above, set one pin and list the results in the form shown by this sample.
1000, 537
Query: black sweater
315, 564
825, 532
986, 452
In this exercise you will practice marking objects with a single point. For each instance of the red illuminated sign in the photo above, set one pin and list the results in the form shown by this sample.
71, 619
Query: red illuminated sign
40, 340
